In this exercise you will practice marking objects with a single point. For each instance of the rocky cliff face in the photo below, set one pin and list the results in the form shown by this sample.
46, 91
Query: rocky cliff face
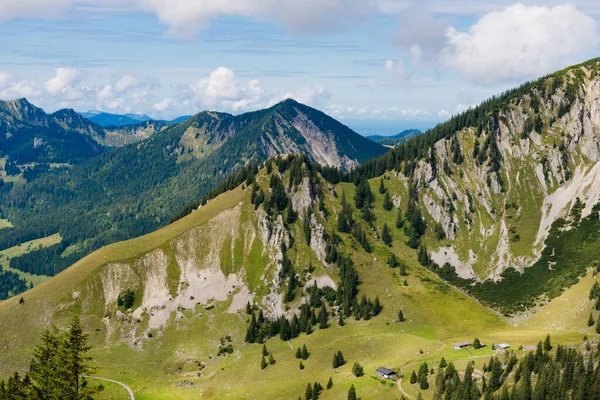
547, 142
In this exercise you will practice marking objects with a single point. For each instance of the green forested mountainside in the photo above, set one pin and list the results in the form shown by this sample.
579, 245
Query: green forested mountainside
288, 278
131, 190
29, 135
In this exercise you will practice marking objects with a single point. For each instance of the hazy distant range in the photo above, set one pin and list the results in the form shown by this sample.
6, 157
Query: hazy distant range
386, 127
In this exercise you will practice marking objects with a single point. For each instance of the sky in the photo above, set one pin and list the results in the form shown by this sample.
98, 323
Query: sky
380, 65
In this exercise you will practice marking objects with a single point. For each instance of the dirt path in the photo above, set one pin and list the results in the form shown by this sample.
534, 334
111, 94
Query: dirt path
131, 396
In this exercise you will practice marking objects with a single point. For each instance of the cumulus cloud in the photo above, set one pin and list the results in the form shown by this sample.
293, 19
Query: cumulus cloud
420, 33
127, 82
520, 41
11, 88
63, 83
222, 90
186, 17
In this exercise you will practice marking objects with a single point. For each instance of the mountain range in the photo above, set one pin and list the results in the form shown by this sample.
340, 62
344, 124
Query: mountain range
105, 119
297, 236
115, 193
393, 140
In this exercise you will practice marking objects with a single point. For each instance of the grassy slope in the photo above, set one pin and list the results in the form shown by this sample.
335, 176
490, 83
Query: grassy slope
24, 248
437, 315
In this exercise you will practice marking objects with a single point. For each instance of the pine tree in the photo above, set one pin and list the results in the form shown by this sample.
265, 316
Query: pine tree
263, 363
358, 370
271, 359
251, 332
399, 219
264, 350
341, 319
376, 307
413, 378
401, 316
387, 202
386, 236
316, 391
476, 344
352, 393
284, 330
309, 392
329, 383
323, 317
403, 270
443, 363
381, 186
304, 354
393, 261
547, 343
301, 366
298, 353
591, 321
248, 308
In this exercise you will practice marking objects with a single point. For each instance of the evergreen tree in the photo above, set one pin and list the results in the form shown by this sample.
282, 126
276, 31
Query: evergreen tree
304, 353
591, 321
263, 363
443, 363
476, 344
386, 235
271, 359
323, 317
284, 330
316, 391
352, 393
298, 353
251, 331
423, 257
381, 186
338, 359
598, 326
392, 261
401, 316
341, 320
248, 308
309, 392
358, 370
547, 343
376, 310
387, 202
413, 378
403, 270
264, 350
301, 366
399, 219
329, 383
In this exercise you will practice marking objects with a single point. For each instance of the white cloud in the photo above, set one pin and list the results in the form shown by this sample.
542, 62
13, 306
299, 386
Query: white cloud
11, 88
520, 42
127, 82
63, 83
186, 17
163, 105
12, 9
339, 111
396, 69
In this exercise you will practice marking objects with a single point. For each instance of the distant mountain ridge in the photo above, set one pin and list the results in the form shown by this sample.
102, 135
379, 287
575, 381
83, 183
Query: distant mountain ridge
395, 139
105, 119
128, 191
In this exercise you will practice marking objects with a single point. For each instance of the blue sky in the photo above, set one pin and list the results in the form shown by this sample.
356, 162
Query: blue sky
404, 63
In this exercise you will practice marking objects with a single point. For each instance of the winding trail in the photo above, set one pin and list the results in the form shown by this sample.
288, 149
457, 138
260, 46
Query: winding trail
131, 396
